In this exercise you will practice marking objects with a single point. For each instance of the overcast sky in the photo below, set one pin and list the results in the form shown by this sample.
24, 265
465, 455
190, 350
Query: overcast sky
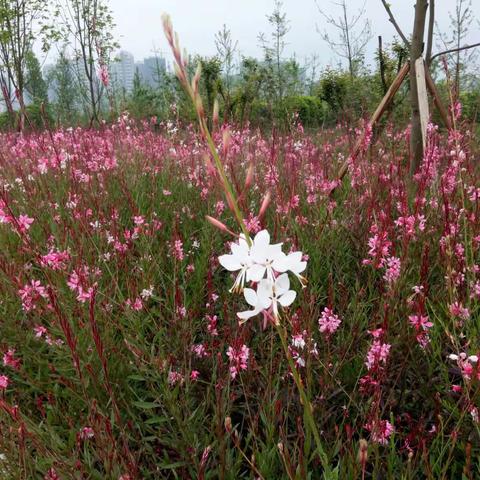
139, 27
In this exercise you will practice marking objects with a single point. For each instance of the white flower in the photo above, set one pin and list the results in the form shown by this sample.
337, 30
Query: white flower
239, 259
260, 300
264, 256
292, 263
269, 294
463, 356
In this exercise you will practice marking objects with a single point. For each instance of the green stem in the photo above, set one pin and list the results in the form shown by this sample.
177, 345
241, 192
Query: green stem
307, 406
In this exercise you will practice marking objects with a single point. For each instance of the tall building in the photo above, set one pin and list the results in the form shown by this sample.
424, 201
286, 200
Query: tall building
151, 70
123, 71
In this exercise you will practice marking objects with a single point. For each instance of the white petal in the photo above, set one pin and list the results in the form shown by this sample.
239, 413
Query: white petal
261, 247
255, 273
265, 288
452, 356
247, 314
299, 267
242, 241
230, 262
280, 263
288, 298
250, 296
241, 251
265, 303
262, 238
282, 284
295, 262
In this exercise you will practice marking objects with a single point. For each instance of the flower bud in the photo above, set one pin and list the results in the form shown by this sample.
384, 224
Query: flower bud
216, 109
264, 206
362, 451
228, 424
249, 177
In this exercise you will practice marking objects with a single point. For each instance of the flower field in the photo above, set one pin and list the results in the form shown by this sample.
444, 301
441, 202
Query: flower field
337, 337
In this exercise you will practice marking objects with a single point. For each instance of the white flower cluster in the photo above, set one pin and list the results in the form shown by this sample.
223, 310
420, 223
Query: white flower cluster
263, 265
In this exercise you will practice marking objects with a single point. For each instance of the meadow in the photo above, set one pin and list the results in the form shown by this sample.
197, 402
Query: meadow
123, 353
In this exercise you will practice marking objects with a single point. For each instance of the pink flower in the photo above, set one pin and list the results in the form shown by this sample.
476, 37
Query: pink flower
55, 260
252, 224
104, 75
194, 375
200, 350
4, 381
136, 305
238, 357
377, 354
328, 322
177, 250
51, 475
420, 322
24, 223
86, 433
31, 293
392, 273
40, 331
174, 378
380, 431
9, 359
458, 310
212, 325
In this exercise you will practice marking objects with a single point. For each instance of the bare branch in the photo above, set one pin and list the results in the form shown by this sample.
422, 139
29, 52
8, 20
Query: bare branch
454, 50
395, 24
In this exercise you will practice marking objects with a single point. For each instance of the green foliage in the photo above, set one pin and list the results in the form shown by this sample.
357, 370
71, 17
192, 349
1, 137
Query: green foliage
470, 101
143, 101
67, 98
333, 88
311, 110
34, 83
38, 116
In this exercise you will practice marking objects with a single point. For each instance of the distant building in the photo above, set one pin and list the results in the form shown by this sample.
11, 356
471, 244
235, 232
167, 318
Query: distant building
152, 70
122, 71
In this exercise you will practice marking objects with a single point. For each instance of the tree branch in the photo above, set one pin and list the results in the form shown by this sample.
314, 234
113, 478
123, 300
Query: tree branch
454, 50
431, 24
395, 24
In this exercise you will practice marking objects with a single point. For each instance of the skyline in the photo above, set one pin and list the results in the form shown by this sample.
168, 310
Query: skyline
197, 24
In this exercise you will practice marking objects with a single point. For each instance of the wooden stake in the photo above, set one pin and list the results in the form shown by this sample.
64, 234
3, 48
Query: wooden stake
387, 99
422, 98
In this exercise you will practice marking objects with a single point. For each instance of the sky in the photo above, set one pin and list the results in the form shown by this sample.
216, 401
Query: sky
139, 29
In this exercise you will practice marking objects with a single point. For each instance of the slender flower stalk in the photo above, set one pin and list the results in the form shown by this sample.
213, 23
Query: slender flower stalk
193, 92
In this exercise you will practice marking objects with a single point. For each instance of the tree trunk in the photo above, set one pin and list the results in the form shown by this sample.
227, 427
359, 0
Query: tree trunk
416, 49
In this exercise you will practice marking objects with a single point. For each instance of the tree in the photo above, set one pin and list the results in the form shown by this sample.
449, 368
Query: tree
226, 49
252, 81
17, 21
354, 32
142, 99
210, 82
35, 84
273, 51
65, 95
460, 22
88, 25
